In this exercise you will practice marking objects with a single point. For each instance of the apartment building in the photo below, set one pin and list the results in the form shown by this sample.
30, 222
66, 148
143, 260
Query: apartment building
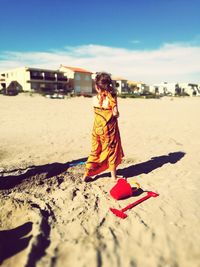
80, 80
34, 79
138, 87
121, 84
190, 89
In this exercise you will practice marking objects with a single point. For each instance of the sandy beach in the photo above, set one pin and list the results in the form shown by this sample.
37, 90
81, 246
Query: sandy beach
49, 217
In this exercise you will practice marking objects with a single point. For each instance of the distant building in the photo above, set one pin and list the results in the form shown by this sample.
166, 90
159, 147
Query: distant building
166, 88
137, 87
163, 88
34, 79
121, 85
80, 80
191, 89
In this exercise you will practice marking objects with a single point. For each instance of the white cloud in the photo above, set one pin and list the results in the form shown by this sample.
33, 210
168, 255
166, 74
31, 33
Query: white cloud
172, 62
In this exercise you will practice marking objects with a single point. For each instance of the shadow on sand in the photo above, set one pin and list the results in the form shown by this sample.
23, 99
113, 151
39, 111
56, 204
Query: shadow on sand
51, 170
148, 166
13, 241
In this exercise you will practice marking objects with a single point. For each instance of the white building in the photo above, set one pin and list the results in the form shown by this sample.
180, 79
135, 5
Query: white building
138, 87
166, 88
191, 89
33, 79
121, 85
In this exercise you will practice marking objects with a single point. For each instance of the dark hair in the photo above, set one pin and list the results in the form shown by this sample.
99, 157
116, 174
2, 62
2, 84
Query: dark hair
104, 82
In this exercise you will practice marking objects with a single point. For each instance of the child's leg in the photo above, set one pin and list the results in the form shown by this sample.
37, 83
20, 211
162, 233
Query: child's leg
113, 174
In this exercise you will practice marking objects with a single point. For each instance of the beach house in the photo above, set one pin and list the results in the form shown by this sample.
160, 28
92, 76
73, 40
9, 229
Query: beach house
176, 88
163, 88
121, 84
192, 89
34, 79
137, 87
80, 80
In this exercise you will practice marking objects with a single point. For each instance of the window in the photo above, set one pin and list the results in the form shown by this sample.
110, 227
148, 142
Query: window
77, 77
77, 89
34, 86
86, 89
87, 77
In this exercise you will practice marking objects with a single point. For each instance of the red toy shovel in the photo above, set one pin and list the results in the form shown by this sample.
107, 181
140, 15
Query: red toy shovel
121, 213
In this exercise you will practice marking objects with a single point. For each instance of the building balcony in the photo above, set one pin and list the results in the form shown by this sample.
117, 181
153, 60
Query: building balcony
36, 77
49, 78
62, 79
2, 77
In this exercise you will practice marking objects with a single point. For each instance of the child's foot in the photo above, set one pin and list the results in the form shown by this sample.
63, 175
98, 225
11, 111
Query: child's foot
114, 178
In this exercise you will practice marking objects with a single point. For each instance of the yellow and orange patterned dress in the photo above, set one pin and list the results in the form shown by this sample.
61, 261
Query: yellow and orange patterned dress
106, 152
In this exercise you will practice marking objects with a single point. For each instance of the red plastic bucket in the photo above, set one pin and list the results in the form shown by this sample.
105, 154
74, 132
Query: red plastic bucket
121, 190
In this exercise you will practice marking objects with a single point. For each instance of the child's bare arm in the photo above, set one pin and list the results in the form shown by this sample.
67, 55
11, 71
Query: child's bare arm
115, 111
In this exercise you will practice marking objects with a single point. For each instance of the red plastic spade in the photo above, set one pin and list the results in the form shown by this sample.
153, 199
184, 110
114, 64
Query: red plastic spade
121, 213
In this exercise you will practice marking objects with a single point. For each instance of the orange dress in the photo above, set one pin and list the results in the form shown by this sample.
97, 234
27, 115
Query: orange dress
106, 152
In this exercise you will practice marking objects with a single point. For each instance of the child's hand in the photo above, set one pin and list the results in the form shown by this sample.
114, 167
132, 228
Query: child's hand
115, 112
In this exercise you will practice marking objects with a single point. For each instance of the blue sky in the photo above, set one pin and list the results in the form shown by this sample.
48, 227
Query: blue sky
77, 31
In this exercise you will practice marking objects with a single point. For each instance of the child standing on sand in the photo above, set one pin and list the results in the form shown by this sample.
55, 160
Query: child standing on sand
107, 151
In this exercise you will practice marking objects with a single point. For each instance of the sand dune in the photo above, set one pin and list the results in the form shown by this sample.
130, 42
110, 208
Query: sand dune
50, 218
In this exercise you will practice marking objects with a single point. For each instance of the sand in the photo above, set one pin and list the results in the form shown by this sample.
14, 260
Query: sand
50, 218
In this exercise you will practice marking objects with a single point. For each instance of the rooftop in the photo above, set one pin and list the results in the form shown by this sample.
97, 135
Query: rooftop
135, 82
75, 69
118, 78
